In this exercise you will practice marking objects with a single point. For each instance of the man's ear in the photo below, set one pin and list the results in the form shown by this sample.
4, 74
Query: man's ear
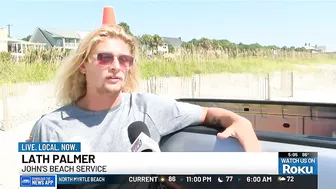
82, 68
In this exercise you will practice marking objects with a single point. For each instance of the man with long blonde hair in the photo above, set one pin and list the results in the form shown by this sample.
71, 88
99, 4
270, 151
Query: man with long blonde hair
95, 87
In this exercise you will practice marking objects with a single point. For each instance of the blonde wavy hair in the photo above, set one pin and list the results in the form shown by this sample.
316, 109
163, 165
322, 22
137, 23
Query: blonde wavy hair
71, 83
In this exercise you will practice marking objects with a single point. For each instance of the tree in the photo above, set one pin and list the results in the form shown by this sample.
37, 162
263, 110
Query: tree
157, 41
186, 45
205, 43
26, 38
284, 48
171, 49
233, 48
126, 27
147, 40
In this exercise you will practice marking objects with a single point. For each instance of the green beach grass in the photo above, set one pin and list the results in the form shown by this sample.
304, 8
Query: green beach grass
38, 67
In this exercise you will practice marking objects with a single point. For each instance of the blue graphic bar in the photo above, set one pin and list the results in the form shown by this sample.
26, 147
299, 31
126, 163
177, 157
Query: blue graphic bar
37, 181
49, 147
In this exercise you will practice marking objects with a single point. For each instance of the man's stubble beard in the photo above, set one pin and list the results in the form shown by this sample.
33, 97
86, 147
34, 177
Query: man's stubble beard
113, 88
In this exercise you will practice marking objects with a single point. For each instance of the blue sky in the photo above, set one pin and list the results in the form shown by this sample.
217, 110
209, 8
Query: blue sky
267, 22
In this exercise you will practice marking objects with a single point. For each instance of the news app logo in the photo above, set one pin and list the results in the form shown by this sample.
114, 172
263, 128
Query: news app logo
25, 181
37, 181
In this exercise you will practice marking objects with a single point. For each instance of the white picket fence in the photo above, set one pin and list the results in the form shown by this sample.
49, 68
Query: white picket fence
22, 102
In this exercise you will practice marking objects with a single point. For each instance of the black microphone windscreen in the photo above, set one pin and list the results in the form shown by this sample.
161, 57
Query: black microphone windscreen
135, 129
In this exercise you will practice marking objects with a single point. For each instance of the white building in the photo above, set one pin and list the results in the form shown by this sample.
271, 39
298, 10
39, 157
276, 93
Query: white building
58, 38
175, 42
15, 46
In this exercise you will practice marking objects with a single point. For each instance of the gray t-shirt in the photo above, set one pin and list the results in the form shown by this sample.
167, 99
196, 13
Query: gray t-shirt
106, 131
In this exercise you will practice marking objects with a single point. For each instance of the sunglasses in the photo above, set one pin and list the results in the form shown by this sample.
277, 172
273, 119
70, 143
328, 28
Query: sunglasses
108, 58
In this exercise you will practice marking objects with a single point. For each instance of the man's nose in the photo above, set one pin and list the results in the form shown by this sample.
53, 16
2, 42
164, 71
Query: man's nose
115, 65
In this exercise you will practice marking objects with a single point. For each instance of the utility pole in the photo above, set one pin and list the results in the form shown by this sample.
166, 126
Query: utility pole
9, 29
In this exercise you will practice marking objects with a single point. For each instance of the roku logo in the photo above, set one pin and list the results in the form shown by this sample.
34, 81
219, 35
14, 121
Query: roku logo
136, 145
287, 169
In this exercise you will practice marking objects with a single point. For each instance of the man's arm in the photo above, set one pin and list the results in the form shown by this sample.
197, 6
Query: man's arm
219, 117
236, 126
170, 115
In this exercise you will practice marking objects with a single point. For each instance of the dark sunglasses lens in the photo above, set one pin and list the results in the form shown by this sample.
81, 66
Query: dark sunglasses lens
105, 57
125, 59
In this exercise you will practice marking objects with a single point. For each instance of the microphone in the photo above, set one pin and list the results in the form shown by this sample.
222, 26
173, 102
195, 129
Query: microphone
139, 137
